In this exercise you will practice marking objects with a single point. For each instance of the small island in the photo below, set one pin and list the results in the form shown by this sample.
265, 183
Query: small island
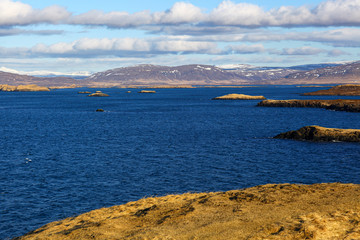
340, 90
348, 105
235, 96
272, 211
317, 133
98, 94
147, 91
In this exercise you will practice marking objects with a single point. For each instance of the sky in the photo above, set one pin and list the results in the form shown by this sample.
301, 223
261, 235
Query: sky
83, 37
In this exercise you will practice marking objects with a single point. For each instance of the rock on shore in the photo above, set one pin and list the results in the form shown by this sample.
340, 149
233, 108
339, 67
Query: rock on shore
23, 88
337, 105
317, 133
235, 96
340, 90
273, 211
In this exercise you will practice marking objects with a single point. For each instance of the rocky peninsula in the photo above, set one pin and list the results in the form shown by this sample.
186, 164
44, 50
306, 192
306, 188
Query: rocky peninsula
235, 96
273, 211
340, 90
337, 105
317, 133
23, 88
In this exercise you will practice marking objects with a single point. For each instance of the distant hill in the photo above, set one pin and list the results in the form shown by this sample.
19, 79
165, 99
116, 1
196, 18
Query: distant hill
194, 74
197, 74
18, 79
346, 73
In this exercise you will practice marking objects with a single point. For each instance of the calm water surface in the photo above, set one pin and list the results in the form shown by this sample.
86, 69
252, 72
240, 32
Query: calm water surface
60, 158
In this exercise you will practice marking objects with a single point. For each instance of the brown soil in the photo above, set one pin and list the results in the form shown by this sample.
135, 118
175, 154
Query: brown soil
273, 211
337, 105
316, 133
340, 90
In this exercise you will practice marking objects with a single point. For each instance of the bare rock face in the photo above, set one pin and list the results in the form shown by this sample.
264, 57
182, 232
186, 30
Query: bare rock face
98, 94
340, 90
23, 88
273, 211
348, 105
235, 96
317, 133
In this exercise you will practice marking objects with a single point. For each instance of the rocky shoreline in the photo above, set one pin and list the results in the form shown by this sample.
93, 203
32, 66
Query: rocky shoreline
337, 105
272, 211
317, 133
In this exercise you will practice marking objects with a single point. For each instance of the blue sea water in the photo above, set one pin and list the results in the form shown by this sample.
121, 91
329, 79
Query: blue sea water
60, 158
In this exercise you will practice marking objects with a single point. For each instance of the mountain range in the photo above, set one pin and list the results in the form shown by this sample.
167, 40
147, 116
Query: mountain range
197, 74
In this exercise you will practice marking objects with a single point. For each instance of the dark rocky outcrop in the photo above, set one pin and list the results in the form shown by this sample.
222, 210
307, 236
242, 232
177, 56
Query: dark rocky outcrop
337, 105
317, 133
235, 96
340, 90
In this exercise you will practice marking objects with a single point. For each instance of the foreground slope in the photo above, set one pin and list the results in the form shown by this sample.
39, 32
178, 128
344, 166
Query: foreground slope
283, 211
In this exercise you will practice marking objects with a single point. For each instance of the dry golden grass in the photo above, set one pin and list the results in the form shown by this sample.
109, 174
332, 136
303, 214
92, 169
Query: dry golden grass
283, 211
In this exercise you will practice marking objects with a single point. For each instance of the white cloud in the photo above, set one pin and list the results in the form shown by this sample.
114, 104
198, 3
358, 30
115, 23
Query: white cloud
337, 52
112, 19
302, 51
246, 49
227, 13
328, 13
88, 47
18, 31
180, 12
17, 13
185, 47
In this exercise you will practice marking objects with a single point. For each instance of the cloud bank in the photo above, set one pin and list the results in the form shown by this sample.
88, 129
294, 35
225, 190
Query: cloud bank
227, 13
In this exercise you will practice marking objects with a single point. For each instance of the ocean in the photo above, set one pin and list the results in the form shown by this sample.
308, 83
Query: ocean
60, 158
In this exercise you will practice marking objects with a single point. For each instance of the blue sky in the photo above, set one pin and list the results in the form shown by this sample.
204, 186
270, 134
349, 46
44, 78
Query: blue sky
89, 36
